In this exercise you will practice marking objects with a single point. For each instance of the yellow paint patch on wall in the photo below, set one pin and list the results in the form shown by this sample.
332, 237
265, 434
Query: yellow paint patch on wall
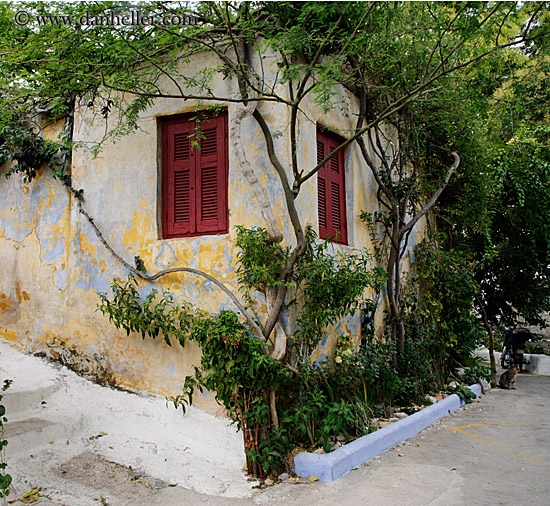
7, 304
207, 255
253, 150
59, 230
86, 246
140, 231
9, 335
10, 307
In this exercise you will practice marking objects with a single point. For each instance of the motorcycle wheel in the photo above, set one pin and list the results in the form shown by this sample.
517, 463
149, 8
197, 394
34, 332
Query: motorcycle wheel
505, 358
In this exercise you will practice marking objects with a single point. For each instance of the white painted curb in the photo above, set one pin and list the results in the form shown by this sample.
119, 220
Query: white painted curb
331, 466
538, 364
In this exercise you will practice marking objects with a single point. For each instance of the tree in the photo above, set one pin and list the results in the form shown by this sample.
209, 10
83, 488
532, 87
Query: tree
409, 154
497, 210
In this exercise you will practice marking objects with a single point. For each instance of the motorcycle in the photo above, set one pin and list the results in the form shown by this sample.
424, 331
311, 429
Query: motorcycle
514, 348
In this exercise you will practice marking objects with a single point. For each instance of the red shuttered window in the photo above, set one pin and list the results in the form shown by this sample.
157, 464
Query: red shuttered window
194, 180
331, 190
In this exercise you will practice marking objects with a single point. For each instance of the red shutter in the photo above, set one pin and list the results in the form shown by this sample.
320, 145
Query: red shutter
194, 181
177, 174
322, 190
212, 177
331, 191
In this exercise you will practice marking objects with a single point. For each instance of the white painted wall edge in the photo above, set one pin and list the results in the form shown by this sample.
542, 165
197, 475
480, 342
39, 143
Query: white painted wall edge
538, 364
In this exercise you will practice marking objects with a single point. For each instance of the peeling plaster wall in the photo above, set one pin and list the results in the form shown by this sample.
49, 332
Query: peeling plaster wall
34, 244
53, 264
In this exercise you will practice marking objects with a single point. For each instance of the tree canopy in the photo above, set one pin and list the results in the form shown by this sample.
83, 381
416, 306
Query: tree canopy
425, 75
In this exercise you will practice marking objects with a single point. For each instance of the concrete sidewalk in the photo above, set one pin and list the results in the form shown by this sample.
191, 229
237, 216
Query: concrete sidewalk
538, 364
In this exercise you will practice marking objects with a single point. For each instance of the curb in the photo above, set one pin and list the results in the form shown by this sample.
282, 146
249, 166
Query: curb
539, 364
329, 467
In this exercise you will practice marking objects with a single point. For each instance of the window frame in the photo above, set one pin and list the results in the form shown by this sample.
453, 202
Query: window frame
327, 178
203, 167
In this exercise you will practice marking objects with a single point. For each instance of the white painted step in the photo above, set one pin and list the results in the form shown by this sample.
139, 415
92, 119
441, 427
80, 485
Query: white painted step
27, 391
26, 437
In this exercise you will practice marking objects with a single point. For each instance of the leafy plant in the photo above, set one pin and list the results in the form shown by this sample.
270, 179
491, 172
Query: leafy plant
152, 315
326, 285
476, 371
237, 367
370, 377
22, 143
234, 366
314, 412
438, 314
5, 478
260, 260
463, 392
345, 347
534, 348
331, 286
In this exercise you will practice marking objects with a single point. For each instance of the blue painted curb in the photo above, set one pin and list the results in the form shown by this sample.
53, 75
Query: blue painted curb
331, 466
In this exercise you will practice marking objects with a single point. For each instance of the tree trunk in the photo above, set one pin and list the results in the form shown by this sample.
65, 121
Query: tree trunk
242, 112
392, 287
491, 343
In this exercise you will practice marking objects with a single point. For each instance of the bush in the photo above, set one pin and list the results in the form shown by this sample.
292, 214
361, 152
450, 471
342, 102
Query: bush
442, 331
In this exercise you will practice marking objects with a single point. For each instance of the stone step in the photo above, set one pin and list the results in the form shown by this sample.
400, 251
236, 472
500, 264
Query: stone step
25, 392
19, 402
27, 437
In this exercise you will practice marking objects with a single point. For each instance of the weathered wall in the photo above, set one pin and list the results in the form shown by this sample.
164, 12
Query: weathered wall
53, 264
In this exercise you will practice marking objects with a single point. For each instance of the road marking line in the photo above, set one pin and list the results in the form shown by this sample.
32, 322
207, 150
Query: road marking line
461, 430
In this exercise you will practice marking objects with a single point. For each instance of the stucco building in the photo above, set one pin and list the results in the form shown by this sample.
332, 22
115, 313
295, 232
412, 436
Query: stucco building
153, 194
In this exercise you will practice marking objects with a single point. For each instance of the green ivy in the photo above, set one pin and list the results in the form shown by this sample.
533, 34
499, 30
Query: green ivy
155, 314
5, 478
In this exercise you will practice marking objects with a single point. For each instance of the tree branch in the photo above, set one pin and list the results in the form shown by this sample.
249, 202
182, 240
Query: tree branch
434, 197
153, 277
